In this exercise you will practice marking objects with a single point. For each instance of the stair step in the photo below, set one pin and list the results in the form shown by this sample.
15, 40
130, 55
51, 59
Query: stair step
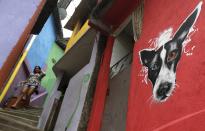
31, 108
27, 109
20, 114
17, 124
16, 118
5, 127
36, 113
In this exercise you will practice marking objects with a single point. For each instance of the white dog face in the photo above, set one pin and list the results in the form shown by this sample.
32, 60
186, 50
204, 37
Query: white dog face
162, 62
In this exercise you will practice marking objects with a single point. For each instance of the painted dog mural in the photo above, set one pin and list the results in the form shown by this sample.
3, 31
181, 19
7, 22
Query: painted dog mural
162, 61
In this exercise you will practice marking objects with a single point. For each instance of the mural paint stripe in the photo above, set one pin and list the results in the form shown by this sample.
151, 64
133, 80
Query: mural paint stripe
6, 88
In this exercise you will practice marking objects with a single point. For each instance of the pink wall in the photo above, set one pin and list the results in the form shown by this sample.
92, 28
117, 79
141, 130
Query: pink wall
185, 109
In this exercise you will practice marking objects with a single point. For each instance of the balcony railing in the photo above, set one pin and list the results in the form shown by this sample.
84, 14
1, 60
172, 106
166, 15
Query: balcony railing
120, 65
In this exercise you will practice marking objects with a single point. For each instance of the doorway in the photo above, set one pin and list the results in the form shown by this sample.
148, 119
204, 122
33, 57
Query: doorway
114, 117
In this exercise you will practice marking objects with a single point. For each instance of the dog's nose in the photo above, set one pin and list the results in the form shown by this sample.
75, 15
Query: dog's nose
163, 90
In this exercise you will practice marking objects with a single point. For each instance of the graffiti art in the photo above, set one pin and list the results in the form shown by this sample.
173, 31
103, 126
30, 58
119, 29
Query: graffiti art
161, 61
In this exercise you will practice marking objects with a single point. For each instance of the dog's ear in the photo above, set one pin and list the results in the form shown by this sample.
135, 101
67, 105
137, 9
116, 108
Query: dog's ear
146, 57
183, 31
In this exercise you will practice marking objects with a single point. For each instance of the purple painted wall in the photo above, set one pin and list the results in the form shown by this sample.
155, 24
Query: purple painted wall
13, 22
37, 55
17, 19
14, 89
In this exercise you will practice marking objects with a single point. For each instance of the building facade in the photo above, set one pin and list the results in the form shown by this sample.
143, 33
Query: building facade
129, 65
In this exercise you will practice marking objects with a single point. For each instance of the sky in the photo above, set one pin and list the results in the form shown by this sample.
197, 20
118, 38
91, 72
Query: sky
70, 10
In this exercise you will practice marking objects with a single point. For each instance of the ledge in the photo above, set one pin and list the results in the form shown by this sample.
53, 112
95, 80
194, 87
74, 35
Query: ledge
77, 56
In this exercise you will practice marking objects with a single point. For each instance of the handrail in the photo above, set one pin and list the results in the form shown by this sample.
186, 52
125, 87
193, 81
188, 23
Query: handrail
120, 65
121, 60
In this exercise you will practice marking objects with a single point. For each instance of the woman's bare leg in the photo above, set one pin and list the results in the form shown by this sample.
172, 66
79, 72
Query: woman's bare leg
29, 93
22, 94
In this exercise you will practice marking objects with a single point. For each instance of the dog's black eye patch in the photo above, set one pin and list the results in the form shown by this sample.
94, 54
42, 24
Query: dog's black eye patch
147, 56
151, 59
154, 67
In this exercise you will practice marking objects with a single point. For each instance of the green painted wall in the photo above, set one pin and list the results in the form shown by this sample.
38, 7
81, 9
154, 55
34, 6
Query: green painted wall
55, 54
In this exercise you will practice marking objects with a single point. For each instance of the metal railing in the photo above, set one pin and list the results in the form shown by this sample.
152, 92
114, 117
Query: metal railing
121, 64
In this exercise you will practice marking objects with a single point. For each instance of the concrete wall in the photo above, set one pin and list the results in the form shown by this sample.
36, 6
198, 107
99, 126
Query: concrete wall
114, 117
71, 102
184, 108
17, 19
74, 99
49, 109
42, 45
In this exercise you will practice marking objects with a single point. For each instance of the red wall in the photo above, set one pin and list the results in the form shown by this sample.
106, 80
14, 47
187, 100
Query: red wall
94, 123
185, 109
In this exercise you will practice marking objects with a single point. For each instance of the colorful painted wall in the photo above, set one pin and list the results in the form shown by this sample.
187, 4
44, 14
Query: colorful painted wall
54, 55
39, 51
167, 75
17, 19
45, 52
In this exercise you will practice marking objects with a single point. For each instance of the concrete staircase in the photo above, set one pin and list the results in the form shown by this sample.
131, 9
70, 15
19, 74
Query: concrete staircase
25, 119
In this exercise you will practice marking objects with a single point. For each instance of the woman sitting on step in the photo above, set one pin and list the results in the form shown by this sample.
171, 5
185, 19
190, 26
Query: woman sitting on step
30, 85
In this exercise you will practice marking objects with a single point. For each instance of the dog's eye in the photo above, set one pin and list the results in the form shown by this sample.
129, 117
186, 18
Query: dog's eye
171, 56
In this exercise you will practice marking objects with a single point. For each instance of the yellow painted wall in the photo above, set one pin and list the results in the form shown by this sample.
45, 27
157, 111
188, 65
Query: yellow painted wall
76, 35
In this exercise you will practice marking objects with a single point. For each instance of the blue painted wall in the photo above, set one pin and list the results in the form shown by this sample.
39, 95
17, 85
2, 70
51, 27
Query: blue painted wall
39, 51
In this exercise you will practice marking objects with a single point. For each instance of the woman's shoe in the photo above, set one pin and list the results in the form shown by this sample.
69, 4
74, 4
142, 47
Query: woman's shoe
13, 107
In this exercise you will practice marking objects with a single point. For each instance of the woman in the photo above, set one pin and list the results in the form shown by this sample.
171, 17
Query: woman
30, 85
